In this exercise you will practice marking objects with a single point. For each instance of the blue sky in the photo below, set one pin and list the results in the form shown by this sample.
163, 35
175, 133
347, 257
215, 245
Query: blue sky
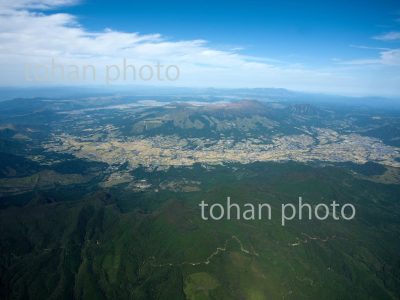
344, 47
307, 31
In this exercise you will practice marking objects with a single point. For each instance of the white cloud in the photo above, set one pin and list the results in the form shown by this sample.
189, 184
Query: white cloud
34, 4
391, 57
387, 57
390, 36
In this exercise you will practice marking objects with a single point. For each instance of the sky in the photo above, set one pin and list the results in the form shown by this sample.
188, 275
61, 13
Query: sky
339, 47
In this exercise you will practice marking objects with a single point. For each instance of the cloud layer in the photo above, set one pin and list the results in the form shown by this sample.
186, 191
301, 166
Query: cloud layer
390, 36
31, 33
